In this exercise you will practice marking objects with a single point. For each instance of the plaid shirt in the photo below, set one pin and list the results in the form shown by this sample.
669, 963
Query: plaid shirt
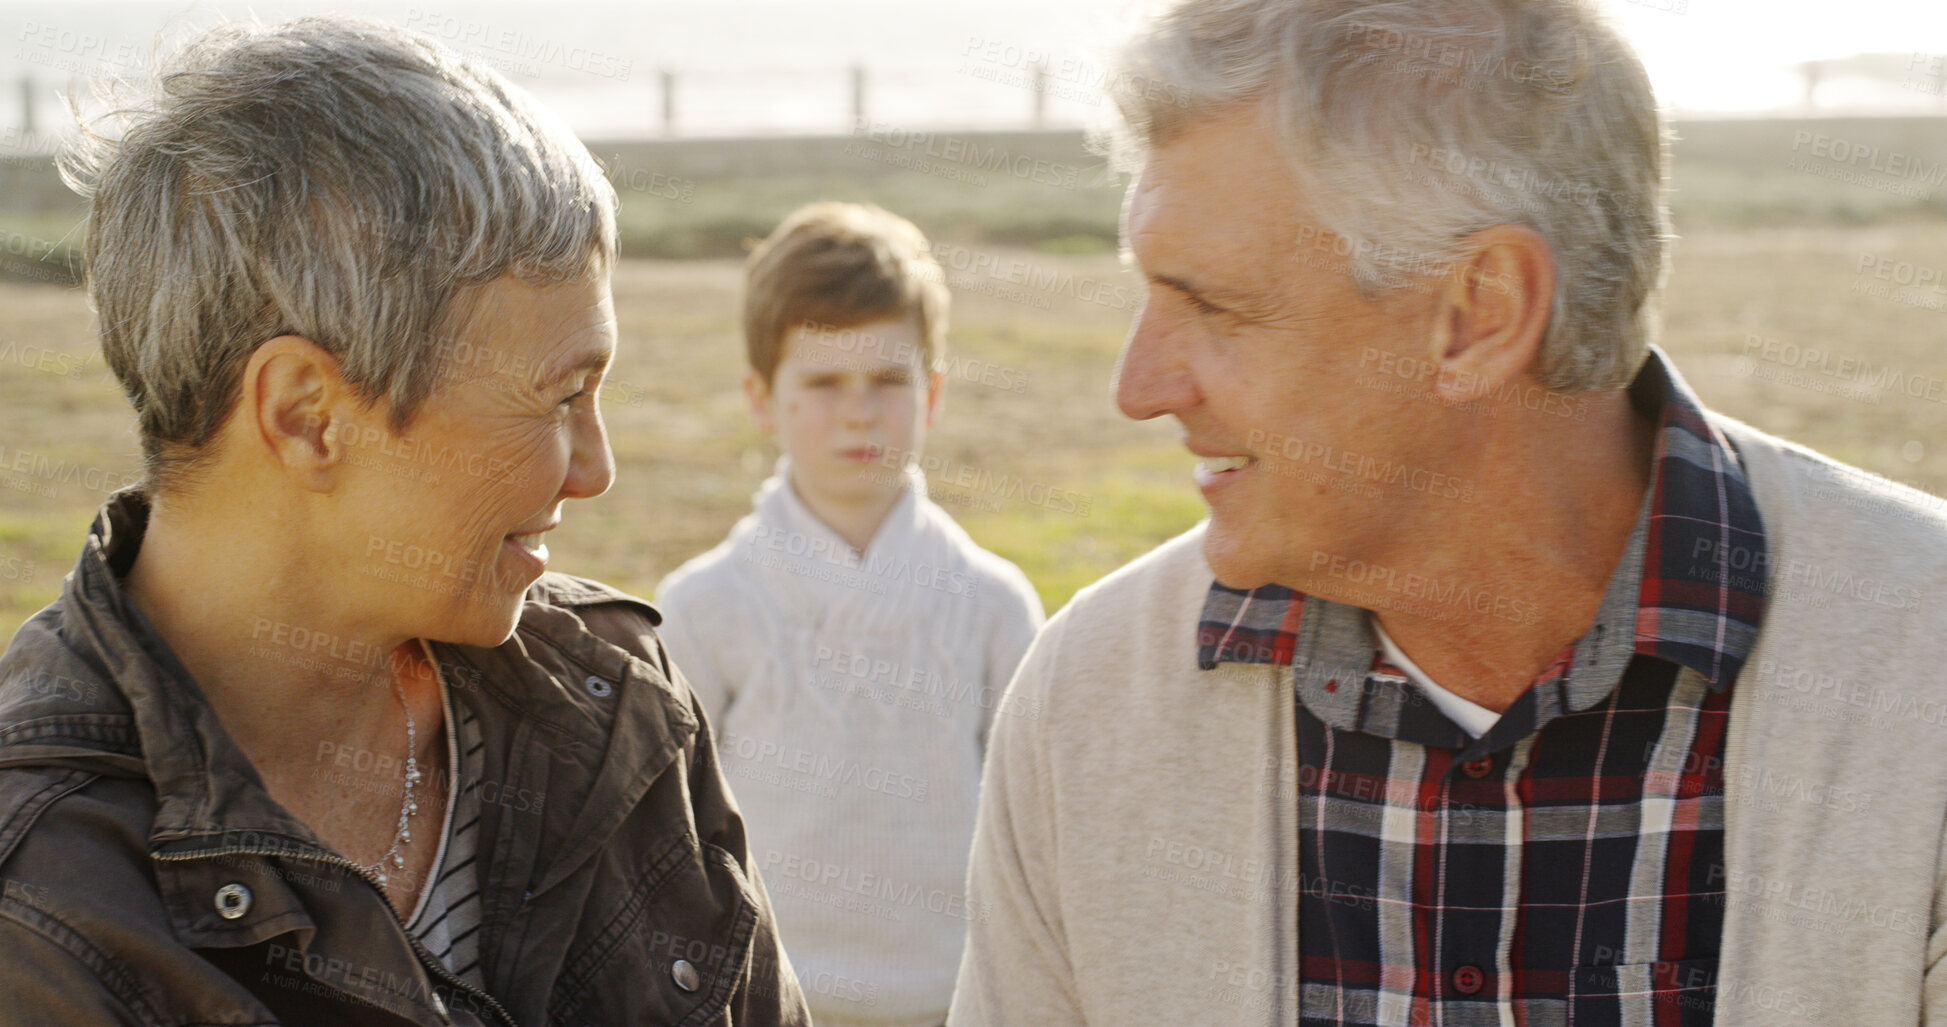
1566, 866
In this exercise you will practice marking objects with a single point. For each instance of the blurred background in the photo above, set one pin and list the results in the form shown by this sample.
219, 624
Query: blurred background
1807, 293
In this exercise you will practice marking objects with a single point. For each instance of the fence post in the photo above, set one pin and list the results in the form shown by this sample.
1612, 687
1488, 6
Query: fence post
858, 94
1038, 83
669, 101
26, 105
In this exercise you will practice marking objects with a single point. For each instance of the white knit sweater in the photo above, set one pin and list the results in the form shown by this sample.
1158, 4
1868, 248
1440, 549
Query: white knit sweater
851, 695
1136, 843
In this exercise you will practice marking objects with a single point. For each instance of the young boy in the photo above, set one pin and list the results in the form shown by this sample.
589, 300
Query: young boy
849, 642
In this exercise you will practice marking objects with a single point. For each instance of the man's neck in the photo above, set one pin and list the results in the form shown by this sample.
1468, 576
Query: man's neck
1538, 554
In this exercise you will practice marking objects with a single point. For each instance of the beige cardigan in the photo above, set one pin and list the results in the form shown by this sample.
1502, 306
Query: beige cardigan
1136, 841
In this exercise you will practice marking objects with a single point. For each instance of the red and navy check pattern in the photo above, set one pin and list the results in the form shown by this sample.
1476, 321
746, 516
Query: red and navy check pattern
1566, 866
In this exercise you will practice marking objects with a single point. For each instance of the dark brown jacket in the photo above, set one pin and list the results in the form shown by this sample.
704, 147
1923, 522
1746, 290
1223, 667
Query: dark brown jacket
616, 885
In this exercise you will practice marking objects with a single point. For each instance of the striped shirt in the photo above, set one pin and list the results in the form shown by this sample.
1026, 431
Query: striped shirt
447, 921
1566, 866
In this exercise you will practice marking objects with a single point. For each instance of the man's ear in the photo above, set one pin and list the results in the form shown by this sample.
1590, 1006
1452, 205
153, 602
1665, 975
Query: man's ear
294, 406
1494, 309
758, 392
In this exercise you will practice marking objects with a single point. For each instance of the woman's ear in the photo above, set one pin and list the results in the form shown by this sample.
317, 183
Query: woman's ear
293, 410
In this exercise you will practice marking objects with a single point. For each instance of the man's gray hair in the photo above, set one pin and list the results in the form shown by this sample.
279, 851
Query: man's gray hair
1413, 123
342, 180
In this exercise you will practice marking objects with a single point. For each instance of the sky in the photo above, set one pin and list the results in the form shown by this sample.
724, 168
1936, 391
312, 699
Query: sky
780, 65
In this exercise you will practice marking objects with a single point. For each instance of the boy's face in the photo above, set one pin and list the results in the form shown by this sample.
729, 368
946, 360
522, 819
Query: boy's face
849, 406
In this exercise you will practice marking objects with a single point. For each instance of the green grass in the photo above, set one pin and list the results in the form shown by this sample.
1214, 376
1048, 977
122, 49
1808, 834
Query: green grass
721, 216
1771, 254
1062, 550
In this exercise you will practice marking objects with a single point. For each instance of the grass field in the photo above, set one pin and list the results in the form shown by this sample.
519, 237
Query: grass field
1054, 478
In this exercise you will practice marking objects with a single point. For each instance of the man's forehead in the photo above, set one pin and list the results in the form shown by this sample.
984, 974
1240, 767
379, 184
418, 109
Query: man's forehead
1215, 202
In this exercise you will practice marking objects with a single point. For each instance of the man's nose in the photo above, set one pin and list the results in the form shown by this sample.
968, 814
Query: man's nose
1150, 377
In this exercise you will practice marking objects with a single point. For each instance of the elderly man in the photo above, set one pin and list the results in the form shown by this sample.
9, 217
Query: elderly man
311, 736
1504, 684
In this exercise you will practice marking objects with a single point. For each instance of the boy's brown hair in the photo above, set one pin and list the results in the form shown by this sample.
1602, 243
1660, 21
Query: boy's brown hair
839, 265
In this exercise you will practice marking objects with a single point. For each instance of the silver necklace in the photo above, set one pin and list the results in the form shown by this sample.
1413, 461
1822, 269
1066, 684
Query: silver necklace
407, 806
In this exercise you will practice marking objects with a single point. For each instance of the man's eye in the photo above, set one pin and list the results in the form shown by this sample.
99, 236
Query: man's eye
574, 397
1198, 304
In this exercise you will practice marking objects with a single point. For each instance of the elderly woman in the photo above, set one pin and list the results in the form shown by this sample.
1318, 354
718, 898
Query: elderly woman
311, 735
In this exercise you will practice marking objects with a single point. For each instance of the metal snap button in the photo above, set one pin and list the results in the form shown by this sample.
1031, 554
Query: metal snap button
1478, 769
1468, 980
685, 975
232, 901
598, 687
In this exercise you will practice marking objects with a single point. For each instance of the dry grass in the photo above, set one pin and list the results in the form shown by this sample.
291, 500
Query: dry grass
689, 459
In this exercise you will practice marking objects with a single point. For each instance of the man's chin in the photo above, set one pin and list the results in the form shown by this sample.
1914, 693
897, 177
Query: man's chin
1232, 563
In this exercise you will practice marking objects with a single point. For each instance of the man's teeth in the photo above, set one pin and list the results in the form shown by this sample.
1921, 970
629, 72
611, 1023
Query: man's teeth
1215, 464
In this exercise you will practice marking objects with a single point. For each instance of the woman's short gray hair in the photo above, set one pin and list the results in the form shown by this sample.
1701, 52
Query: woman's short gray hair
1414, 123
342, 180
